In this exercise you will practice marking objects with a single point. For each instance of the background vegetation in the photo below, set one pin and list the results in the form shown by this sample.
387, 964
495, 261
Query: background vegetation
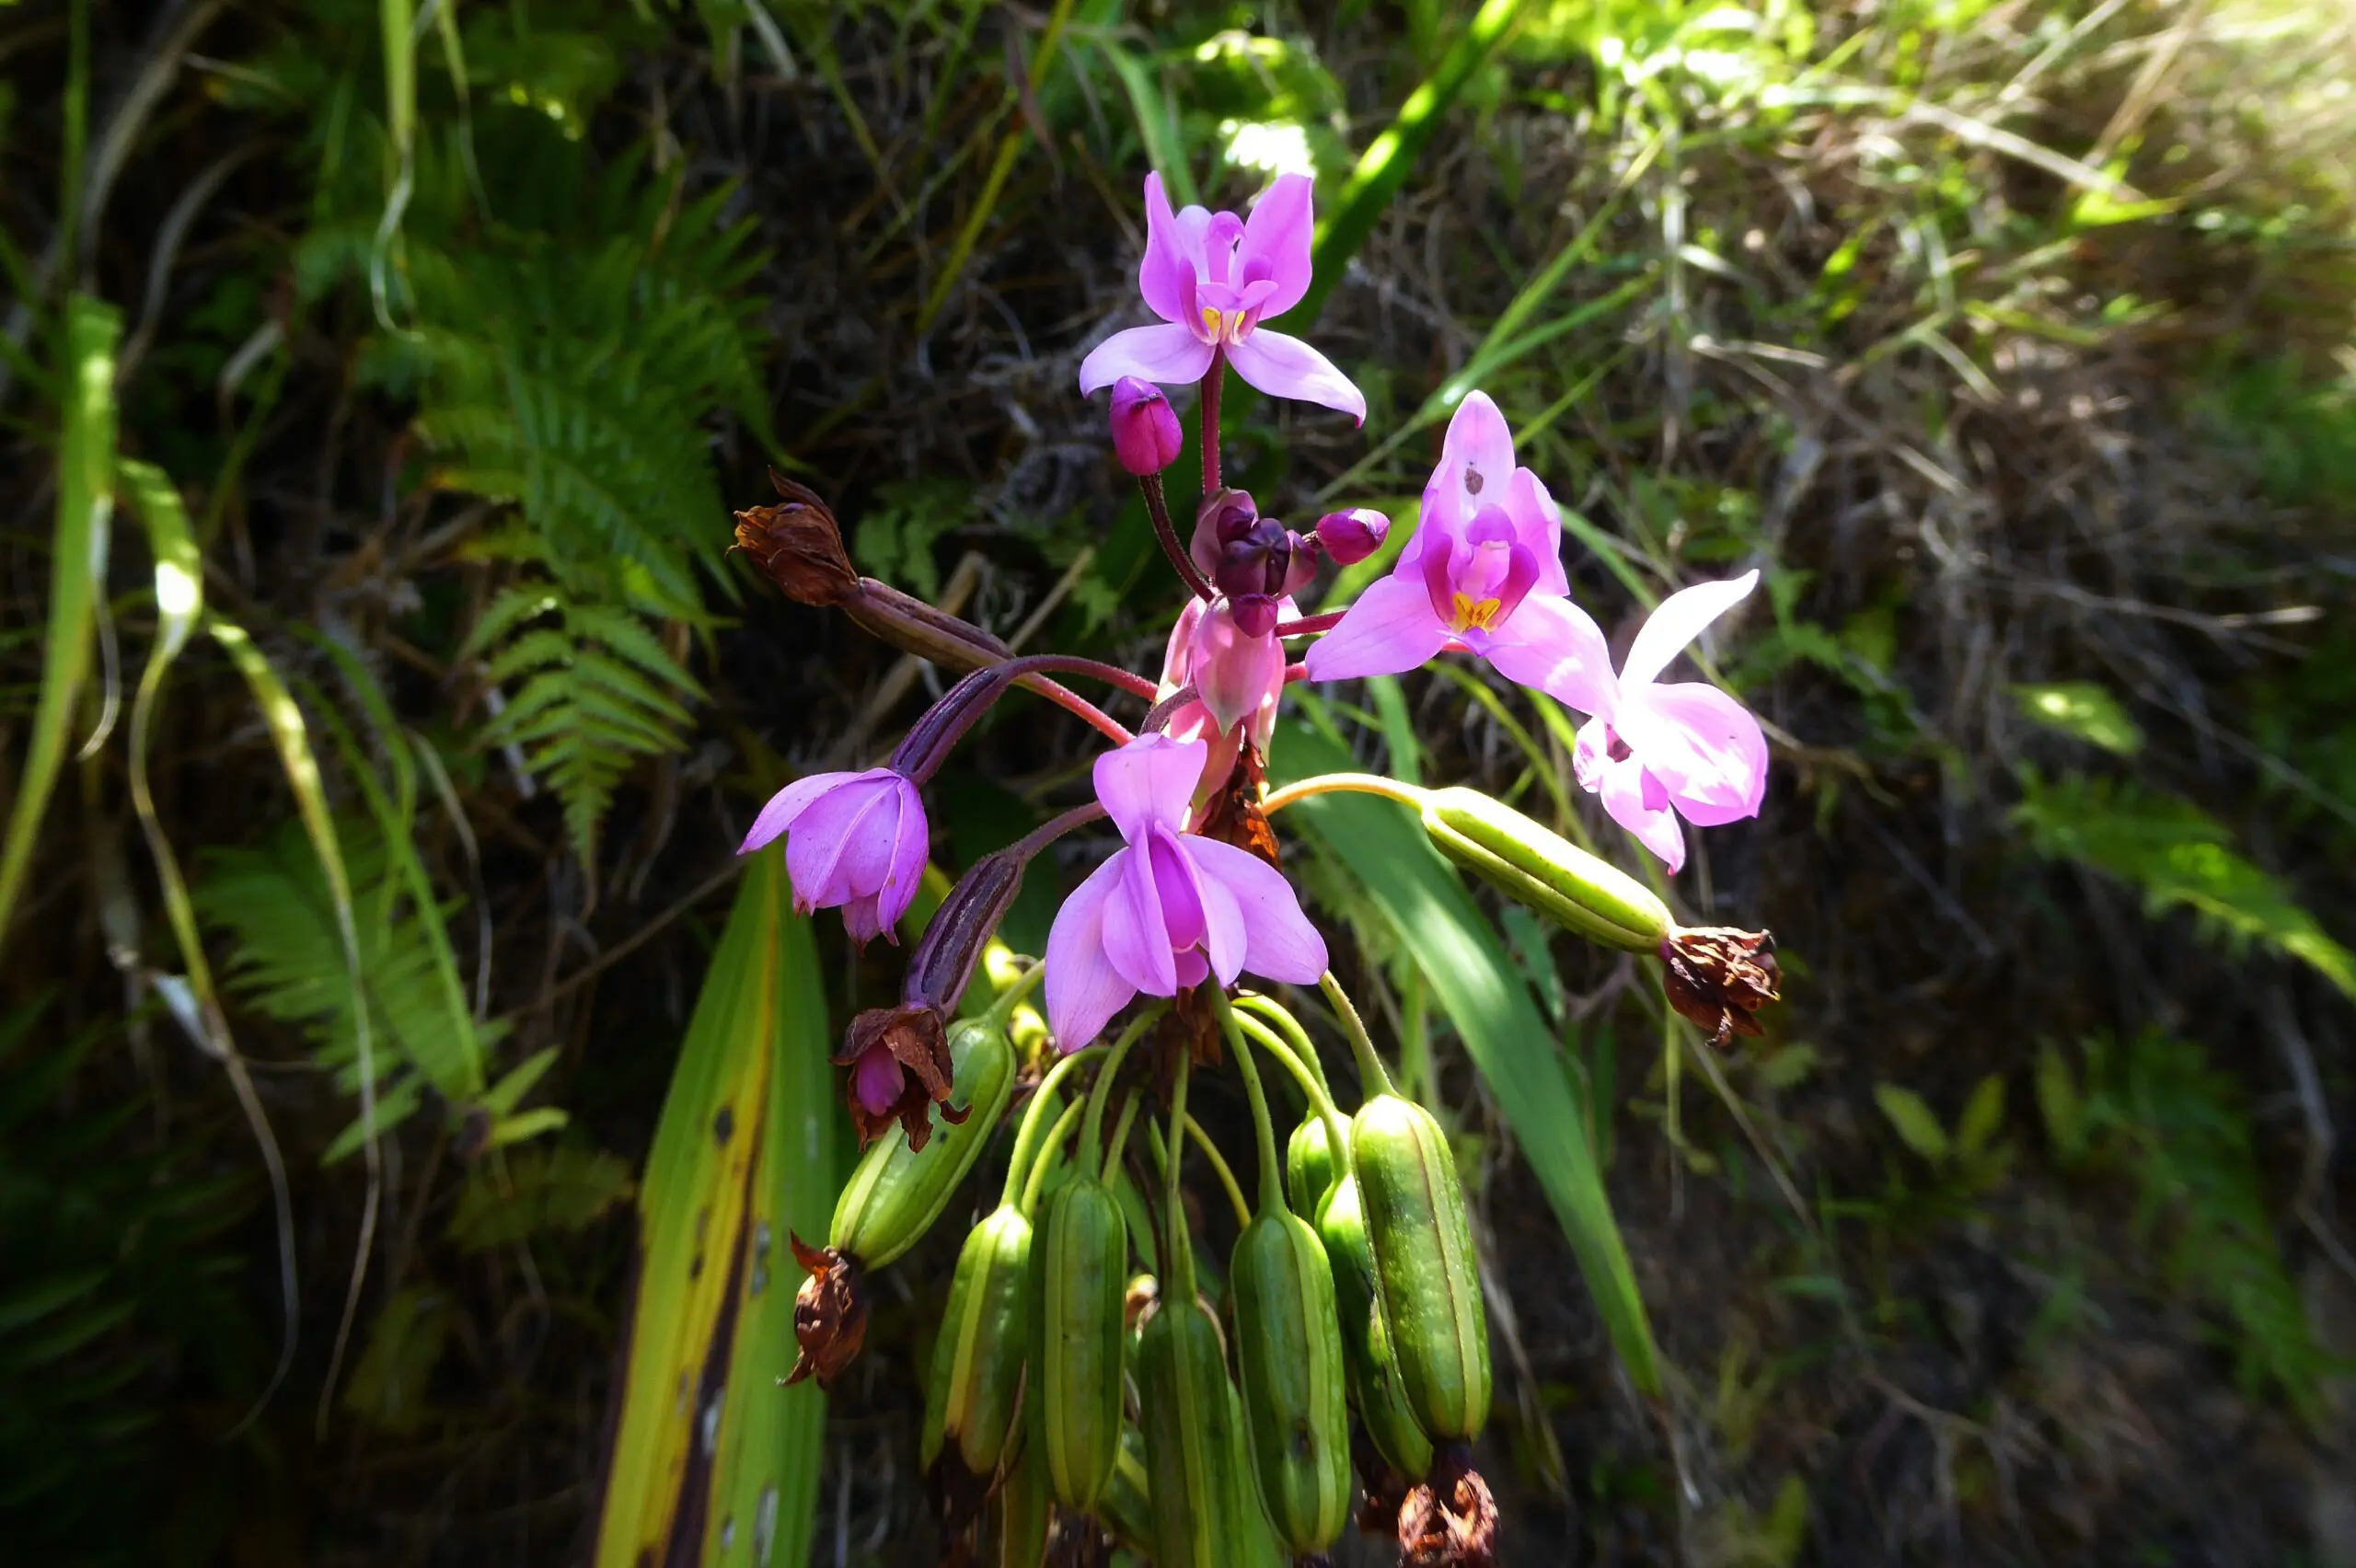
381, 714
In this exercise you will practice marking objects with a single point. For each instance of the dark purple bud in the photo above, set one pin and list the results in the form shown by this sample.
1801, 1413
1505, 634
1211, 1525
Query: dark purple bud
942, 964
1224, 516
1351, 536
1256, 561
1255, 614
1146, 436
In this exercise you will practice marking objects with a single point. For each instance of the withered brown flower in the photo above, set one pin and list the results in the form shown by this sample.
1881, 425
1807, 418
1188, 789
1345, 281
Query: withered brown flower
799, 545
900, 1068
1719, 977
1450, 1520
829, 1313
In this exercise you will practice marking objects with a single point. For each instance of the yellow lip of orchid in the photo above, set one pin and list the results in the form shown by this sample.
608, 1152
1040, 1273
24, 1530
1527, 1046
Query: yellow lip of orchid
1471, 613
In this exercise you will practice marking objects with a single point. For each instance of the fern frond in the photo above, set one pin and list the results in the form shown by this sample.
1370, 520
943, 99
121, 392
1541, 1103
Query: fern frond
2180, 857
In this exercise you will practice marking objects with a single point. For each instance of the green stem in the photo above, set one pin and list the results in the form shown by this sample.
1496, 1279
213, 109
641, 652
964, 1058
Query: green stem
1040, 1167
1120, 1141
1344, 784
1002, 1009
1110, 1070
1026, 1136
1372, 1077
1337, 1137
1272, 1179
1226, 1171
1178, 1247
1275, 1013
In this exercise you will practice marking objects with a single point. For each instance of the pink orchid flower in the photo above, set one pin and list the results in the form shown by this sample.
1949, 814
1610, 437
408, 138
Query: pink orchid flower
1236, 680
857, 840
1213, 278
1685, 745
1169, 907
1483, 574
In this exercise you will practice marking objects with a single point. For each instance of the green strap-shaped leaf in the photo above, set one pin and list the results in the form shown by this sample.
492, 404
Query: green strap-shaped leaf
78, 562
712, 1461
1472, 978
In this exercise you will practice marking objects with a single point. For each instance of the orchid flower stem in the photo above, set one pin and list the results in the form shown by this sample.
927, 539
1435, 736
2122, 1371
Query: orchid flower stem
1343, 784
1157, 506
1047, 832
1178, 1247
1308, 625
1213, 379
1103, 1091
1037, 1181
1320, 1101
1272, 1182
1072, 702
1295, 1035
1226, 1171
1017, 990
1120, 1140
1374, 1079
1027, 1135
1161, 711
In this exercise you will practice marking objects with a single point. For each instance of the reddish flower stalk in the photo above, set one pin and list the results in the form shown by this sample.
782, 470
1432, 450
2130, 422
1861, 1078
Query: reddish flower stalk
1306, 625
1158, 508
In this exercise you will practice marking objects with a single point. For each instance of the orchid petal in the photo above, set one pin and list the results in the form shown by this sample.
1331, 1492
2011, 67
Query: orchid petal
911, 846
863, 922
1147, 782
1590, 753
1704, 746
1390, 629
1656, 827
1475, 462
823, 836
1279, 942
1227, 938
1083, 990
1681, 619
787, 804
876, 1078
1538, 526
1136, 942
1553, 645
1178, 891
1167, 355
1234, 674
1275, 242
1167, 271
1287, 367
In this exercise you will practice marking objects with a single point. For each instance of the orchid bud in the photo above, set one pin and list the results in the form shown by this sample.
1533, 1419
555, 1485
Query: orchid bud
1225, 516
1351, 536
1258, 561
1146, 436
1255, 614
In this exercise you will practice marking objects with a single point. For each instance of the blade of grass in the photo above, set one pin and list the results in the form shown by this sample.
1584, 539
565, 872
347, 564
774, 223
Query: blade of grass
714, 1279
78, 562
1472, 978
292, 737
1157, 126
180, 600
1386, 164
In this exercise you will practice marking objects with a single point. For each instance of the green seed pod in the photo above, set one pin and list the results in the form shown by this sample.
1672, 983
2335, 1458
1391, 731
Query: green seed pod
896, 1192
1380, 1397
1126, 1506
1288, 1355
1309, 1165
1260, 1546
1023, 1510
1538, 868
977, 1359
1192, 1439
1079, 1258
1426, 1278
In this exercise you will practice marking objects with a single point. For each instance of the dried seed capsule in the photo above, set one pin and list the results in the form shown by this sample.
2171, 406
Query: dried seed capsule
1426, 1275
1375, 1386
1538, 868
896, 1193
977, 1359
1288, 1355
1079, 1273
1309, 1165
1192, 1439
1126, 1506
